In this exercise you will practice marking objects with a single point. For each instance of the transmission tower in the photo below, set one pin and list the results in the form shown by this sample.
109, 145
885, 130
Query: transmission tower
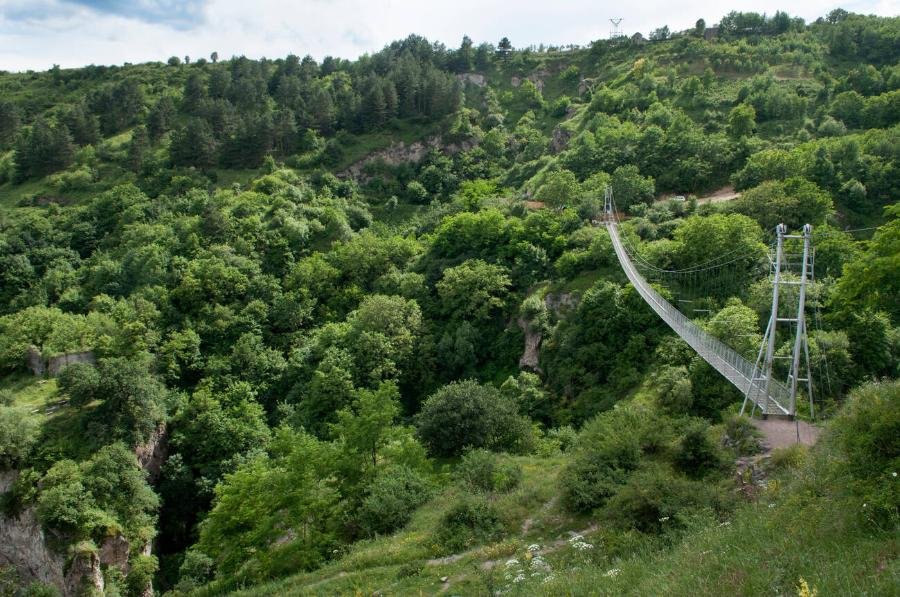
762, 370
614, 32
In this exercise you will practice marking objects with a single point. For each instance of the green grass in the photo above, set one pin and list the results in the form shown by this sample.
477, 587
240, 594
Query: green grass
33, 392
410, 561
791, 532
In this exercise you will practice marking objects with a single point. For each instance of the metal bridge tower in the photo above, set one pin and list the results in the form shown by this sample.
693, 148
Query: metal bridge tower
762, 370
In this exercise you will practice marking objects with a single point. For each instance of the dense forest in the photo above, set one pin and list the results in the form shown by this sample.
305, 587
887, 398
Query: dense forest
343, 327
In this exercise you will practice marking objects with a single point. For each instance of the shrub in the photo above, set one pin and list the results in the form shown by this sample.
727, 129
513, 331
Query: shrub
470, 521
866, 439
18, 433
392, 498
697, 455
481, 470
466, 414
607, 450
140, 575
653, 498
80, 381
742, 436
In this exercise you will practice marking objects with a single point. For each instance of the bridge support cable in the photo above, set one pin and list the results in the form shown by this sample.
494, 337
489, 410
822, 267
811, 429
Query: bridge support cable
755, 380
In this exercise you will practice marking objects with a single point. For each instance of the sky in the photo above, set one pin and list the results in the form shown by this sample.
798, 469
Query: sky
36, 34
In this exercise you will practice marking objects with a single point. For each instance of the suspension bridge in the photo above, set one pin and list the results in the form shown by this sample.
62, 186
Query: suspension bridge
762, 392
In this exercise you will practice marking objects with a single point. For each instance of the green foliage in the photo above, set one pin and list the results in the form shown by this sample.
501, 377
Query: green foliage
608, 449
105, 492
654, 500
483, 471
697, 455
391, 500
468, 522
466, 414
793, 202
18, 434
274, 514
865, 438
742, 436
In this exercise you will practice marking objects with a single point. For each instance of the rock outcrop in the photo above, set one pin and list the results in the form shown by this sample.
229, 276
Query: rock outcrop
400, 153
474, 78
152, 453
84, 575
23, 545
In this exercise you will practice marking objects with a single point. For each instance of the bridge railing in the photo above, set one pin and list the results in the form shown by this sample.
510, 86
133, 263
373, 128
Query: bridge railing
769, 395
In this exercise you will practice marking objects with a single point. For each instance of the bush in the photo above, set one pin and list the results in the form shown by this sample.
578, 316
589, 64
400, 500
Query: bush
18, 433
866, 440
392, 498
481, 470
470, 521
466, 414
742, 436
653, 498
608, 449
80, 381
697, 455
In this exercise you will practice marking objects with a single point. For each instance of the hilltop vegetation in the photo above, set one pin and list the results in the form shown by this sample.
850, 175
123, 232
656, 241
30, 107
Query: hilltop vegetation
359, 314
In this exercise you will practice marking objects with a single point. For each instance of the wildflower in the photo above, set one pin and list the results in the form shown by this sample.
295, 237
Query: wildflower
519, 578
533, 547
864, 505
664, 519
771, 505
548, 578
512, 562
725, 524
576, 538
614, 572
582, 545
894, 474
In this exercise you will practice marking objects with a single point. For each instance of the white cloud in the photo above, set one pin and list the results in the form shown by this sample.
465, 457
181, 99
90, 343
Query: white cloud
38, 34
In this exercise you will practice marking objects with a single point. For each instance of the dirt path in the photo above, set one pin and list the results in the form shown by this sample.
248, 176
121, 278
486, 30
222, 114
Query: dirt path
724, 194
779, 433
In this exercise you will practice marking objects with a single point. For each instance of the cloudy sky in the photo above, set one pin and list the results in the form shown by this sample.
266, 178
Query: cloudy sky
35, 34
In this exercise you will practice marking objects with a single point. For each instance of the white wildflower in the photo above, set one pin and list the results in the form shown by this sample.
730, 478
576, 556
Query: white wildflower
614, 572
771, 505
533, 547
894, 474
582, 545
519, 578
576, 538
512, 562
664, 519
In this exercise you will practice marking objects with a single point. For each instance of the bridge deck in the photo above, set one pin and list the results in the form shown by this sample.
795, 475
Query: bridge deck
770, 397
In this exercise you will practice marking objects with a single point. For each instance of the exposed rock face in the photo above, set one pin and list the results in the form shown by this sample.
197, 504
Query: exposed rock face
559, 140
400, 153
59, 362
530, 359
84, 575
35, 361
473, 78
52, 366
114, 552
151, 454
531, 355
23, 547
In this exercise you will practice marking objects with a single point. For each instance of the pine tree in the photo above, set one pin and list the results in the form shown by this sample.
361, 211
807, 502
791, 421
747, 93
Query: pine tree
137, 149
194, 145
9, 122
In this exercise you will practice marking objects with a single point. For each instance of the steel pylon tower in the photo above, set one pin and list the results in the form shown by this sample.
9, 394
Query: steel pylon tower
762, 370
614, 32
